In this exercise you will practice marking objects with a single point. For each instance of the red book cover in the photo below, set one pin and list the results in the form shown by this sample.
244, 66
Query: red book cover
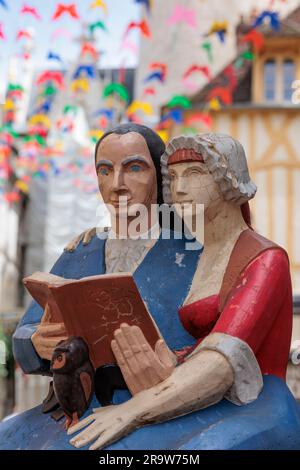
93, 308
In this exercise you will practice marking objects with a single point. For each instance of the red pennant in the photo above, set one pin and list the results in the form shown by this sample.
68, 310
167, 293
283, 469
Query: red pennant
69, 9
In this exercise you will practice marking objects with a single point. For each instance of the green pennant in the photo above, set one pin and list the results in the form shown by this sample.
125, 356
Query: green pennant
179, 101
97, 25
117, 88
207, 46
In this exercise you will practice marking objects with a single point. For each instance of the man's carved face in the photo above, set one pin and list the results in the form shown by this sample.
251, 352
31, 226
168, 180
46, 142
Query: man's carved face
125, 170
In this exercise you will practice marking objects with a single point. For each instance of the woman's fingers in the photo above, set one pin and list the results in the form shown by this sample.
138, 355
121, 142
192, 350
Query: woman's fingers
129, 356
164, 354
155, 363
84, 422
88, 235
73, 244
146, 375
132, 382
88, 435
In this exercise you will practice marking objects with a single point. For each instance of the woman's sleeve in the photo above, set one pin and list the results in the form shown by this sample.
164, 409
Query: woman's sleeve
256, 299
246, 319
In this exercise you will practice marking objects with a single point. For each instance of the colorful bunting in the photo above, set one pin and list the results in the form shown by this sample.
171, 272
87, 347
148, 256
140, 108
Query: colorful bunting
62, 9
147, 3
183, 15
220, 28
100, 4
40, 119
97, 25
31, 11
205, 118
255, 39
271, 16
88, 48
61, 32
70, 107
88, 70
81, 84
175, 115
203, 69
116, 88
139, 106
149, 91
155, 76
222, 93
142, 26
23, 33
2, 35
107, 112
53, 56
207, 46
127, 44
50, 90
56, 77
179, 101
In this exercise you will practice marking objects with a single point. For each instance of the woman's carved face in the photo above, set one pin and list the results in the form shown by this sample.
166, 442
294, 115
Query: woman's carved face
191, 182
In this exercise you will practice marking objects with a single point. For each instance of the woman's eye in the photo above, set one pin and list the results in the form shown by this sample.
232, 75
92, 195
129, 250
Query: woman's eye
135, 168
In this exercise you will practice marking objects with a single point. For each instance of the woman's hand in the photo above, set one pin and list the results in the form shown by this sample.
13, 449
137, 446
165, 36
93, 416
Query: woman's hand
199, 382
109, 424
84, 237
142, 368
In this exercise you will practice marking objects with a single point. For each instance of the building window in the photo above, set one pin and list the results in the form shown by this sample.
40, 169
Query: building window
270, 80
289, 75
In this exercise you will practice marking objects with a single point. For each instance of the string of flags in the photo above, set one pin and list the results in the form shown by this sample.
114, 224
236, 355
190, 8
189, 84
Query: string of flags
37, 158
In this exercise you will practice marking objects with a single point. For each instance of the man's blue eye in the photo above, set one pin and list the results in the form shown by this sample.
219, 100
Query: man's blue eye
135, 168
104, 172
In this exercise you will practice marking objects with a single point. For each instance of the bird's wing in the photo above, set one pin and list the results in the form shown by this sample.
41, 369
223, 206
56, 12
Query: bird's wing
86, 382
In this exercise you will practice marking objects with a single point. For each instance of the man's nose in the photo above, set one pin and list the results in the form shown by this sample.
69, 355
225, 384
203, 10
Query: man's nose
181, 185
118, 180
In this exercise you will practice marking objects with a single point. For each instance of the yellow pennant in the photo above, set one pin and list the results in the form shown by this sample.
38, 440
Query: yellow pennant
80, 84
40, 119
9, 105
214, 104
22, 186
97, 133
100, 4
140, 106
164, 135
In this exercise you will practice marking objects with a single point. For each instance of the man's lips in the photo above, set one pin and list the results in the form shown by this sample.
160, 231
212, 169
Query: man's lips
119, 203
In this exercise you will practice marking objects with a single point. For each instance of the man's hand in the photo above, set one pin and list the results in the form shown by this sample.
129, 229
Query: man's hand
47, 336
142, 368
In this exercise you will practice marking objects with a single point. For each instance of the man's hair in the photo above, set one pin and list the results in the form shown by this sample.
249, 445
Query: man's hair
154, 143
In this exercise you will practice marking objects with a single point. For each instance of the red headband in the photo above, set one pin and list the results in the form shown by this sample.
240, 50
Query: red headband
185, 155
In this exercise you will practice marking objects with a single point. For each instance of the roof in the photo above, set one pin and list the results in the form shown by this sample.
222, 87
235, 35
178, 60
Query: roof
289, 27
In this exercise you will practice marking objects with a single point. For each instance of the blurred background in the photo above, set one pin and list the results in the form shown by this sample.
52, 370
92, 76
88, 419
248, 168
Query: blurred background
69, 71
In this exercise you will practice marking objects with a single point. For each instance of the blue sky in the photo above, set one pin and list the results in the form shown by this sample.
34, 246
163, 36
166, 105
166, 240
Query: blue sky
120, 13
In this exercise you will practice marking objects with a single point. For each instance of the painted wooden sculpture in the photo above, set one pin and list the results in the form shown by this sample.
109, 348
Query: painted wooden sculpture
73, 378
217, 378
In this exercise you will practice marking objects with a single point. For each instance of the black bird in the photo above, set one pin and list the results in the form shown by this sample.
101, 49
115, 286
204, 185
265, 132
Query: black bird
73, 378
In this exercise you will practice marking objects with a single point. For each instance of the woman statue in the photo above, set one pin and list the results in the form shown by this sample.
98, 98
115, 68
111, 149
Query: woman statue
238, 309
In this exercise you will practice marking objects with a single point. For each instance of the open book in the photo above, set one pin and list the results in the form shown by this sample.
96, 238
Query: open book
93, 308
